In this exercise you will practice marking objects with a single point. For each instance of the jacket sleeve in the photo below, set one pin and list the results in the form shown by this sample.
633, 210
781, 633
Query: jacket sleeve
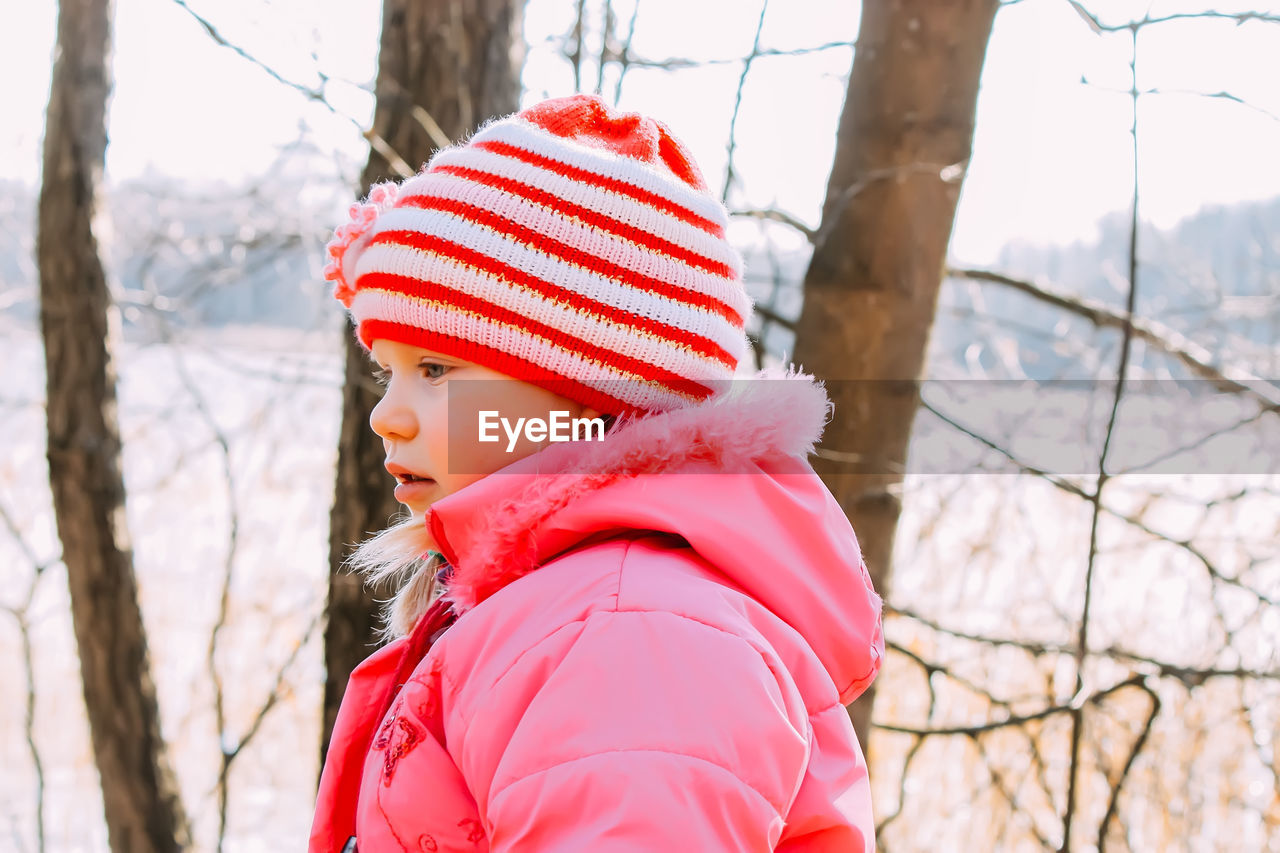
646, 731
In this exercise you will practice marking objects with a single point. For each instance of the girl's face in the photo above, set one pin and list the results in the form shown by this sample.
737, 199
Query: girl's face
413, 420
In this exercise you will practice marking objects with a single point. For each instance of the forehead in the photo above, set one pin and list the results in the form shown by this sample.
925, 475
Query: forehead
388, 350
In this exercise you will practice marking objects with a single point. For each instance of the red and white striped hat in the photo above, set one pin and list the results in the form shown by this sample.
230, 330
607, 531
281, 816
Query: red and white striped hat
569, 246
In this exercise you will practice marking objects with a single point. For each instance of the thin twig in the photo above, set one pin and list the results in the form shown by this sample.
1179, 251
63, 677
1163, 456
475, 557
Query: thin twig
1187, 675
273, 696
29, 713
1067, 486
575, 58
1113, 800
1221, 95
1195, 357
1097, 26
384, 149
677, 63
624, 56
775, 215
19, 615
730, 174
224, 597
605, 35
1122, 371
1079, 700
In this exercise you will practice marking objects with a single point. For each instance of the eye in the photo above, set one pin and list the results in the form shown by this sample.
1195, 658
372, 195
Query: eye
382, 376
429, 369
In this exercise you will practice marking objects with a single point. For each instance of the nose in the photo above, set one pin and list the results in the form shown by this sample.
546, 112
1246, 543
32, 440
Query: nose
392, 418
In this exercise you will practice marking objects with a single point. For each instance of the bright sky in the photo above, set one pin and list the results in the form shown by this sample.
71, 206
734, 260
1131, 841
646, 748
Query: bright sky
1051, 154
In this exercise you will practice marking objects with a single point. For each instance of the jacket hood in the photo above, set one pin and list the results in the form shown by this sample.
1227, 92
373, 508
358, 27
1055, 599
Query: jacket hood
729, 476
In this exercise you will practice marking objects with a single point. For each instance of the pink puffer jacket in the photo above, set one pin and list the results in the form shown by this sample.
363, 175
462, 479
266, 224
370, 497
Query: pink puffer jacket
658, 637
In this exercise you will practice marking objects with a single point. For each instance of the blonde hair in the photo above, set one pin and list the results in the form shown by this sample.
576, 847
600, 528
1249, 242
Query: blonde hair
403, 558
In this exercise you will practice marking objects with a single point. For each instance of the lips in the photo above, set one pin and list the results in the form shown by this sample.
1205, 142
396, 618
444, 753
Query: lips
414, 492
403, 474
412, 487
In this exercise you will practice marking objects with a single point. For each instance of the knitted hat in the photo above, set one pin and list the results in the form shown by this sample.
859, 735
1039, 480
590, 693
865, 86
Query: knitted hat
569, 246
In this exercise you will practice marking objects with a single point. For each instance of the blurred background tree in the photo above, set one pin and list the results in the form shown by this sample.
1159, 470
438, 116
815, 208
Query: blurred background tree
442, 69
871, 289
79, 326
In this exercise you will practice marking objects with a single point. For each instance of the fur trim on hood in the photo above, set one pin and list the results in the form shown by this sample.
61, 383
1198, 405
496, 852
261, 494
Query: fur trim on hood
777, 414
741, 494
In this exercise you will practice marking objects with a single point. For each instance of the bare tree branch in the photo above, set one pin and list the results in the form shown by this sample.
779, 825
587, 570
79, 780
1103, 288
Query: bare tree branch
273, 695
730, 173
1167, 340
1188, 675
379, 144
623, 57
1185, 543
677, 63
1222, 95
1080, 700
775, 215
29, 715
224, 597
1082, 641
1097, 26
575, 57
1113, 800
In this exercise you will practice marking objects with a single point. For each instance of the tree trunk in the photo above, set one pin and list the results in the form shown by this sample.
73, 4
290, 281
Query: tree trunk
139, 793
460, 63
871, 288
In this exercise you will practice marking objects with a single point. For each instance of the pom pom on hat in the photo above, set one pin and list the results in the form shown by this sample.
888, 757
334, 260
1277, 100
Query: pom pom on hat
363, 215
569, 245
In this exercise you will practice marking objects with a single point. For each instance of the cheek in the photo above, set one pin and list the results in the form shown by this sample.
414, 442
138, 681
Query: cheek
469, 457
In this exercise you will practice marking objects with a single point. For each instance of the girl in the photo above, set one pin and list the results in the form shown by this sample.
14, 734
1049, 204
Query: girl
643, 639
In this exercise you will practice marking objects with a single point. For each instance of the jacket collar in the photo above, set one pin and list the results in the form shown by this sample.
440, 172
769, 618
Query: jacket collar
505, 525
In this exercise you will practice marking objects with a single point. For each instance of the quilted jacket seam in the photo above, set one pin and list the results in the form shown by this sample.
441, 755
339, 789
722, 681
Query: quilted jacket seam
745, 784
